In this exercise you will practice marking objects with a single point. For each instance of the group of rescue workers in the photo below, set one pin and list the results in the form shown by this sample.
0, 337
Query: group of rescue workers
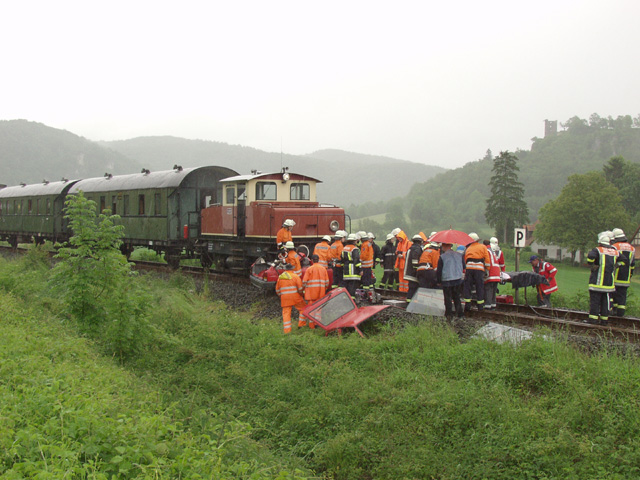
470, 271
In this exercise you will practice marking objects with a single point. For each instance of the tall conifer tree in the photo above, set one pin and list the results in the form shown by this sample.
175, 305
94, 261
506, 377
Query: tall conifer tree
506, 207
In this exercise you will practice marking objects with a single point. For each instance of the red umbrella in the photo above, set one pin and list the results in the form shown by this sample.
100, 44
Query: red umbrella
451, 236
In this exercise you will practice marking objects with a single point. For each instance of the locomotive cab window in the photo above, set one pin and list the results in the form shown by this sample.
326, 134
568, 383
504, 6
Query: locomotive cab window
266, 191
300, 191
230, 194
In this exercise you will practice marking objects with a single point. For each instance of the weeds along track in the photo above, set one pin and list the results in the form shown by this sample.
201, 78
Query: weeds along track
236, 291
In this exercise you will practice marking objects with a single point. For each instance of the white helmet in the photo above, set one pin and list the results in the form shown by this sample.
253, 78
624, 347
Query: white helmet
340, 234
604, 238
389, 236
395, 231
289, 245
352, 237
610, 233
362, 234
618, 233
371, 236
493, 240
435, 244
474, 236
417, 237
289, 223
432, 234
327, 238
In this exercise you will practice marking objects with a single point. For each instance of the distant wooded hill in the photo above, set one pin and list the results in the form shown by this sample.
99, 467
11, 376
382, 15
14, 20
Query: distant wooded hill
457, 197
31, 152
347, 177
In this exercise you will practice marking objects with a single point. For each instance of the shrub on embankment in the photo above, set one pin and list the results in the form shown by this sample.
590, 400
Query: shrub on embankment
407, 402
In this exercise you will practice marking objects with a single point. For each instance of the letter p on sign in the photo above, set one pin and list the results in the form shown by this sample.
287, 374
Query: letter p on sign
519, 237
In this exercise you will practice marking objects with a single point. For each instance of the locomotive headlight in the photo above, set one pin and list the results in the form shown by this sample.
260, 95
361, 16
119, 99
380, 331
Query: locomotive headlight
334, 225
285, 177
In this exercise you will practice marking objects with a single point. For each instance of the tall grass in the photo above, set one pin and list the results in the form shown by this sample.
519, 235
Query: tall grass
412, 402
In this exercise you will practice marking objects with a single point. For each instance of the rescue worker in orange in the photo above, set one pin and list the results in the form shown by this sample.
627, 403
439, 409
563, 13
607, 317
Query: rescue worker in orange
402, 247
335, 257
289, 289
428, 266
315, 283
322, 251
293, 258
367, 258
477, 263
284, 234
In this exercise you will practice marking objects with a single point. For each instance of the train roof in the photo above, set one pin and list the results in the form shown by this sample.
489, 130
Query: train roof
140, 181
44, 188
269, 176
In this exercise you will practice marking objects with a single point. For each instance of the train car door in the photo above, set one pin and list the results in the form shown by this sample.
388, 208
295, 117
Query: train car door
241, 211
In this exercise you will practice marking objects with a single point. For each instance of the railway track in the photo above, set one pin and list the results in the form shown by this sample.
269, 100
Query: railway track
574, 321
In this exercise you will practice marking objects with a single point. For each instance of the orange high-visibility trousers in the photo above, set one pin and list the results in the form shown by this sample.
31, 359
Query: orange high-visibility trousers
286, 316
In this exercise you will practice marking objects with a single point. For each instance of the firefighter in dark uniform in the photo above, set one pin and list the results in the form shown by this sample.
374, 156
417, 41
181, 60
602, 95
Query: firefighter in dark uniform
388, 260
626, 265
351, 265
603, 261
411, 265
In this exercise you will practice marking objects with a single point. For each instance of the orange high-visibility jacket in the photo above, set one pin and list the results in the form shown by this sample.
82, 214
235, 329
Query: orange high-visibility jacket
429, 259
315, 282
289, 288
335, 252
366, 255
294, 259
401, 250
322, 250
476, 257
283, 236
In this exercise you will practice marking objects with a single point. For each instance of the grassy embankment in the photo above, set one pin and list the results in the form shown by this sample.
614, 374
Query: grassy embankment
408, 402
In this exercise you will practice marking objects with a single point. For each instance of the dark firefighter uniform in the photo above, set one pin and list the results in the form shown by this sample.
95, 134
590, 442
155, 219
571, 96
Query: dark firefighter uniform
626, 266
603, 261
411, 266
351, 266
388, 259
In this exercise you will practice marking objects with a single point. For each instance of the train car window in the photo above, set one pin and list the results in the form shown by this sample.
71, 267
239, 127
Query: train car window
266, 191
231, 194
157, 204
29, 206
300, 191
0, 208
125, 205
38, 212
103, 204
48, 207
141, 204
113, 206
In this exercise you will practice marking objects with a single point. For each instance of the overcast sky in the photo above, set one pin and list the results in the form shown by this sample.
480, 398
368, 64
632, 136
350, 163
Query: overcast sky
432, 82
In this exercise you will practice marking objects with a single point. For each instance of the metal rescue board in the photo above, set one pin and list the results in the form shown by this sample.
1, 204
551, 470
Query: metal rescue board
337, 310
427, 301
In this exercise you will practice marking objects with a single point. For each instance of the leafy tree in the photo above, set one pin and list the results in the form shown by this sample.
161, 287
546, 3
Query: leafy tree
506, 207
626, 177
93, 278
587, 205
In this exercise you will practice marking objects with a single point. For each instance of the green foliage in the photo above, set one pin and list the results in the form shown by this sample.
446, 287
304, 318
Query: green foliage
506, 207
626, 177
94, 279
67, 413
588, 204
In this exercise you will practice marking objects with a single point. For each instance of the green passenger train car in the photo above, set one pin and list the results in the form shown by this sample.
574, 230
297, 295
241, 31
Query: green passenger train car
34, 212
159, 210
